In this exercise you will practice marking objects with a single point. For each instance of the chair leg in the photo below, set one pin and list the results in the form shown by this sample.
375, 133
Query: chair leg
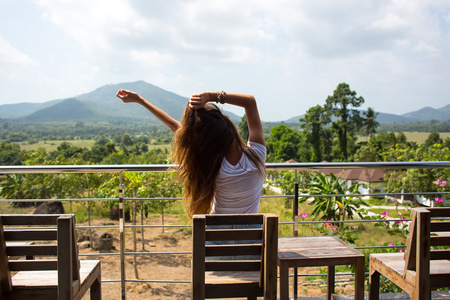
96, 290
374, 285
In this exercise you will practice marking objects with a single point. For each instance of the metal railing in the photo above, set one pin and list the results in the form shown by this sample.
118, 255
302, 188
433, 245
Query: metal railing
296, 167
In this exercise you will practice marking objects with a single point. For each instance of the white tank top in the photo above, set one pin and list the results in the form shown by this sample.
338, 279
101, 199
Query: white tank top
238, 187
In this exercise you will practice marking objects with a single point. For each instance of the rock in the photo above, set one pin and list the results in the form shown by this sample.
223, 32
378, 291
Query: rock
52, 207
102, 241
84, 245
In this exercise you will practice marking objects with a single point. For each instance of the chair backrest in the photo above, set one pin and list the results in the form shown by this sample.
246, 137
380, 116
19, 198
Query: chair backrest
52, 237
256, 246
427, 239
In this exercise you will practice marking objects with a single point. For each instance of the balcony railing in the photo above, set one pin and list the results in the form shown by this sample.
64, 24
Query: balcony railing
295, 223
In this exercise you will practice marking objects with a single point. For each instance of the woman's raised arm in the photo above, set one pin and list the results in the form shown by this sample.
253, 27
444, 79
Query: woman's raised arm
248, 102
130, 97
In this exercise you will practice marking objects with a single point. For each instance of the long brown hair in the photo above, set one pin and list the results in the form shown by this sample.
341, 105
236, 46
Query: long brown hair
200, 146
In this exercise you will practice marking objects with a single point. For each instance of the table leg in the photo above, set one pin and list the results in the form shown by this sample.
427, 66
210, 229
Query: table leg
284, 282
330, 283
359, 279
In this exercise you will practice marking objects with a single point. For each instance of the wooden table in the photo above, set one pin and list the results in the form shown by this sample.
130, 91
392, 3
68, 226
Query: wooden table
316, 251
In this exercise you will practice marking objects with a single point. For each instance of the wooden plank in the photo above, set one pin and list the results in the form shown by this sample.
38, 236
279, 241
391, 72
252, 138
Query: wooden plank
234, 234
5, 274
234, 291
410, 252
422, 282
270, 251
233, 265
65, 257
198, 257
437, 212
440, 240
33, 265
440, 226
16, 220
32, 250
233, 250
440, 255
227, 219
31, 235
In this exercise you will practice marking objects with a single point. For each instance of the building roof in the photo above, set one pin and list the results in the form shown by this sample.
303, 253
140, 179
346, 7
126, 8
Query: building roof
366, 175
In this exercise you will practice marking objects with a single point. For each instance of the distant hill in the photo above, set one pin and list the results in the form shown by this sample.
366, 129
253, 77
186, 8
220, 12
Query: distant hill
425, 114
67, 110
102, 105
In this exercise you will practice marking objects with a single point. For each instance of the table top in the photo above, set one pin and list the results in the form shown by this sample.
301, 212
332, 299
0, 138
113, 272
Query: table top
314, 248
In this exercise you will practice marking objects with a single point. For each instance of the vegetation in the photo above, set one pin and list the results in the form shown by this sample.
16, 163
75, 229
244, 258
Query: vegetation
328, 132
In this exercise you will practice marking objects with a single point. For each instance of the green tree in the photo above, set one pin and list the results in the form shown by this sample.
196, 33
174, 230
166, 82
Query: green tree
433, 138
243, 128
10, 154
343, 104
284, 143
370, 122
313, 122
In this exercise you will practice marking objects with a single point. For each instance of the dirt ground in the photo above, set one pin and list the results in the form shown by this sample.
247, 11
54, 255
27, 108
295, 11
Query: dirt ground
165, 266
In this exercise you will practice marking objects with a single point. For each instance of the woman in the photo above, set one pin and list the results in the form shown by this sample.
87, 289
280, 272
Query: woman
220, 173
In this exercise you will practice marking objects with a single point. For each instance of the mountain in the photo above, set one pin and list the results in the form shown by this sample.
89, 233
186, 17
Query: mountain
66, 110
386, 118
9, 111
104, 102
102, 105
428, 113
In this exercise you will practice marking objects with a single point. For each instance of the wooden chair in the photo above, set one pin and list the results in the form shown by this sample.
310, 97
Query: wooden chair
245, 276
58, 273
421, 268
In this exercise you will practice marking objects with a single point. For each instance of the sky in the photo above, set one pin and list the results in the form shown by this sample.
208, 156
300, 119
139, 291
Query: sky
290, 54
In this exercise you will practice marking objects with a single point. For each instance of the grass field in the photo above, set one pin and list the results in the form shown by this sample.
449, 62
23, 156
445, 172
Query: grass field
414, 136
50, 146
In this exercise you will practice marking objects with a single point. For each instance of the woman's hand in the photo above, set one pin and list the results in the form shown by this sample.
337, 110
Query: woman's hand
128, 96
199, 100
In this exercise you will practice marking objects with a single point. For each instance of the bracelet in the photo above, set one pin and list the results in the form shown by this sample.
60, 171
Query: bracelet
221, 97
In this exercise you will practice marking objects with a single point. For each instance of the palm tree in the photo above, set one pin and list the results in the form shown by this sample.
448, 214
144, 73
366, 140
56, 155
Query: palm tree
370, 123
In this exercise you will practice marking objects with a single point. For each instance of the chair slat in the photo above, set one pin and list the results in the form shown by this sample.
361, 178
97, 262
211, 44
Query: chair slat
440, 226
439, 212
33, 265
235, 234
440, 240
233, 250
31, 235
233, 265
32, 250
235, 219
29, 219
439, 254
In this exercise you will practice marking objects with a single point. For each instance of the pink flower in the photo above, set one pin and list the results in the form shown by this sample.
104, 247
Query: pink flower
443, 183
437, 182
304, 215
439, 200
401, 250
391, 244
385, 214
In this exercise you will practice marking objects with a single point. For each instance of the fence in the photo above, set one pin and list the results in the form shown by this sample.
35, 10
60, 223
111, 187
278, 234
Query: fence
296, 167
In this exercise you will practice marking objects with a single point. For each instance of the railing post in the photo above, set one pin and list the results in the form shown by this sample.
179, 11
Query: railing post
122, 239
295, 214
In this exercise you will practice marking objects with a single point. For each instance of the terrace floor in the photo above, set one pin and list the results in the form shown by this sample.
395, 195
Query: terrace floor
436, 295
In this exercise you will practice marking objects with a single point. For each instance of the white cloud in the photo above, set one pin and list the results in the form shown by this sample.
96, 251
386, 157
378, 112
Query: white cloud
298, 51
12, 61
